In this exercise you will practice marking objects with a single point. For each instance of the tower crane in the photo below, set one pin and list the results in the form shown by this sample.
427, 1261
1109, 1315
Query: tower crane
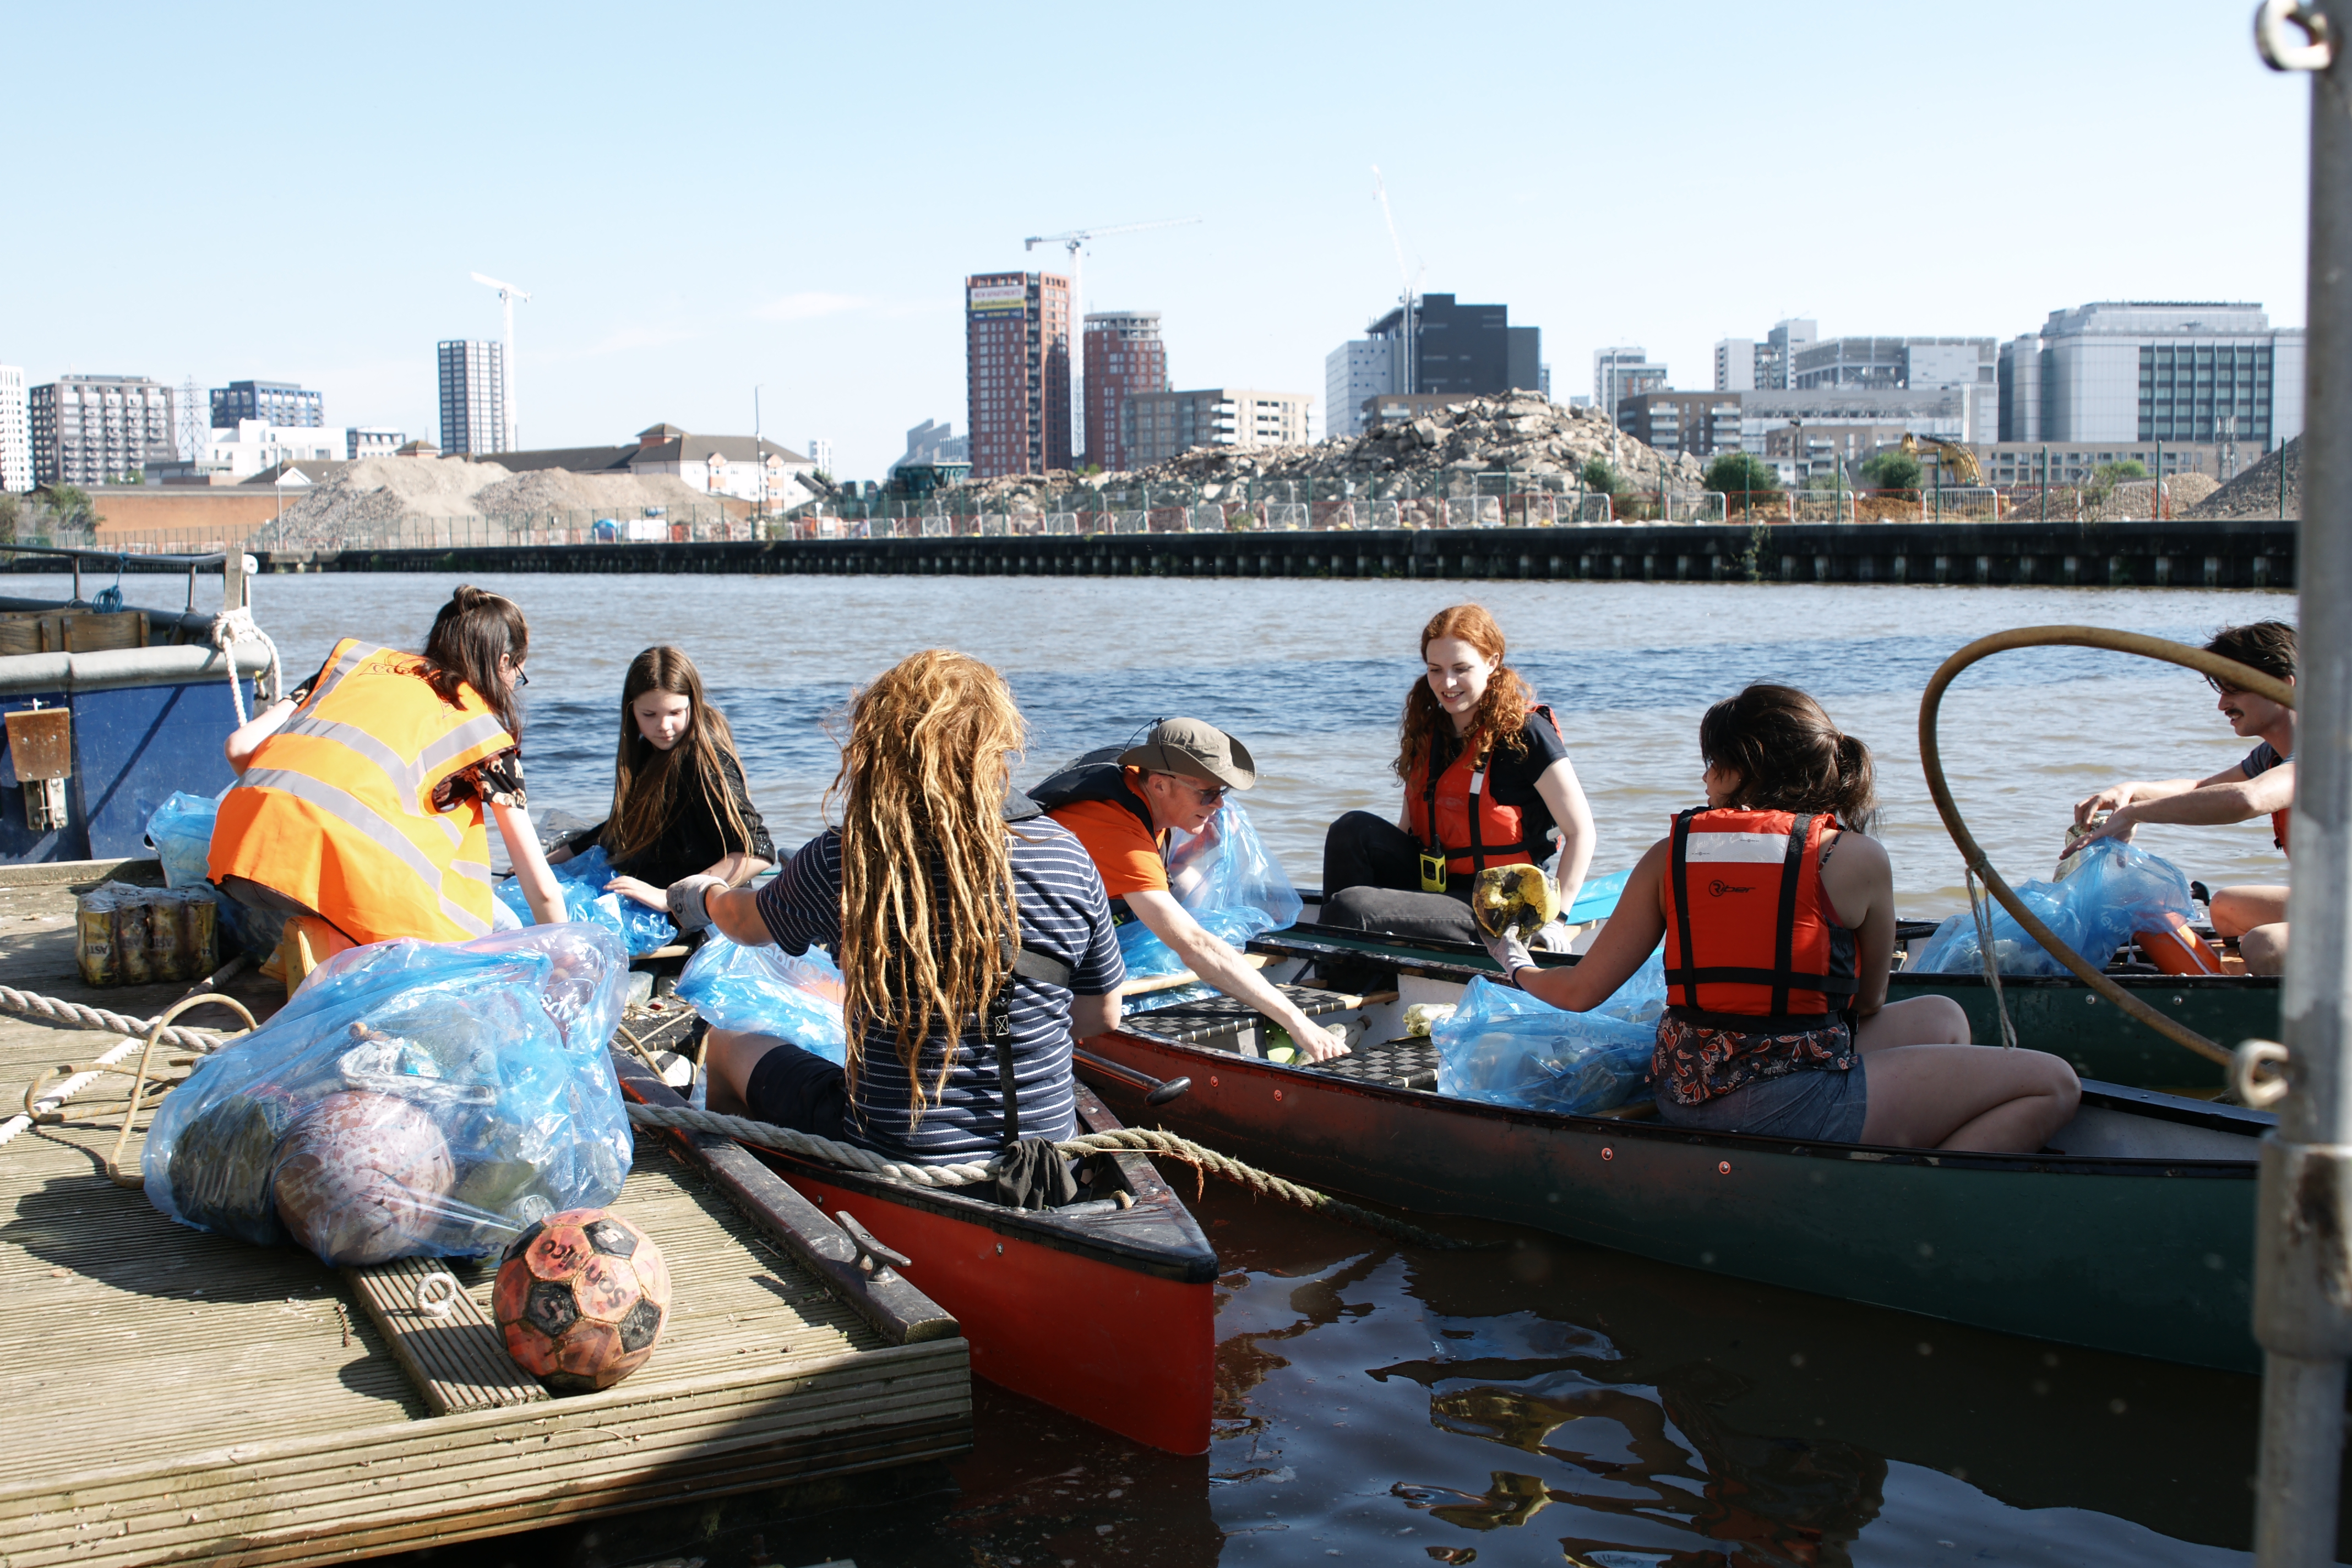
507, 295
1075, 241
1404, 274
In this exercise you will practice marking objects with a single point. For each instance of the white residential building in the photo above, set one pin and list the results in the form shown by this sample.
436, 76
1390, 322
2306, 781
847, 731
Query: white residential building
1623, 372
1168, 424
373, 441
1355, 371
15, 434
819, 452
2144, 369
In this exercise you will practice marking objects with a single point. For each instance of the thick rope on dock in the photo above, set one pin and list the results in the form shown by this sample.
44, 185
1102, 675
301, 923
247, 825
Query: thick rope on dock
55, 1010
1128, 1140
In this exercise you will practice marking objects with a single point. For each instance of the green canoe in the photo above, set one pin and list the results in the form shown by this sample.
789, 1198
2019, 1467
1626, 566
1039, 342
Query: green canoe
2060, 1015
2132, 1232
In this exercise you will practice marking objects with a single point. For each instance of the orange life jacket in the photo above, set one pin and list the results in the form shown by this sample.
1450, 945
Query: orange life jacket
1751, 940
335, 810
1474, 830
2278, 826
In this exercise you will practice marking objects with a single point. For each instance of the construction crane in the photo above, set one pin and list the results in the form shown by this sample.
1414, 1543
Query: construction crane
1408, 293
1953, 459
507, 295
1075, 241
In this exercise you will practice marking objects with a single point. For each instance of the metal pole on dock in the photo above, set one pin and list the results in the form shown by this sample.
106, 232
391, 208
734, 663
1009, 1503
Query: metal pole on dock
2302, 1271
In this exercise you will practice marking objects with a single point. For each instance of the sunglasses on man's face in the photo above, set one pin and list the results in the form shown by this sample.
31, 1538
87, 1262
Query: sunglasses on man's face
1209, 794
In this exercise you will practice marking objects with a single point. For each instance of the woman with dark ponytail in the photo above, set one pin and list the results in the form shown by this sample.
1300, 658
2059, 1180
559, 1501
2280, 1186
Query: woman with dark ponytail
363, 797
1778, 916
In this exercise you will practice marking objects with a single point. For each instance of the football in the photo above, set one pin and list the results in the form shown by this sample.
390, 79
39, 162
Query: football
582, 1298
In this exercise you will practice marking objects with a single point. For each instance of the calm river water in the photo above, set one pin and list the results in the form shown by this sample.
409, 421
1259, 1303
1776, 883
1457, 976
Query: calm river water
1550, 1403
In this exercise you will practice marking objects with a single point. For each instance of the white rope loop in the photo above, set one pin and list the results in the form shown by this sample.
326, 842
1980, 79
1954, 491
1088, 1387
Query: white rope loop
232, 627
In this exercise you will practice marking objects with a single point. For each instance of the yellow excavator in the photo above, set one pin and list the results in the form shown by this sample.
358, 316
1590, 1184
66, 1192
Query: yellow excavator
1959, 464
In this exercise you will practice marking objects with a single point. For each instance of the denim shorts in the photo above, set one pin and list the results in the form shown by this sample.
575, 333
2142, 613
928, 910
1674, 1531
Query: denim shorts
1811, 1105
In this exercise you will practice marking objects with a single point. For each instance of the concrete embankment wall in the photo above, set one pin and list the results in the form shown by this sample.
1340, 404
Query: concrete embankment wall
2237, 554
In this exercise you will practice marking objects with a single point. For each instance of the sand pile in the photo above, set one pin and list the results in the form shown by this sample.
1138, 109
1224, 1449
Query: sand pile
558, 490
2255, 492
377, 501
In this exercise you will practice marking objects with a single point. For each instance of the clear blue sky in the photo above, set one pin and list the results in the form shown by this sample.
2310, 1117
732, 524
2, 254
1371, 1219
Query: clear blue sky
707, 197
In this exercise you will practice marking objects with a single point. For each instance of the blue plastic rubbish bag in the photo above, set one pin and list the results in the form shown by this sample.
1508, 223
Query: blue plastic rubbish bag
582, 881
1230, 882
1506, 1047
414, 1100
2112, 891
767, 991
182, 832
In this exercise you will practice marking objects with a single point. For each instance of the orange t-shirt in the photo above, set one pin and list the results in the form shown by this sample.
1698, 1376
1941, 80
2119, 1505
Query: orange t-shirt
1124, 853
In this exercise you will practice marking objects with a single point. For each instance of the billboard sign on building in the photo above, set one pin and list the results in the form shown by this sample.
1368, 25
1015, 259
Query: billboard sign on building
995, 299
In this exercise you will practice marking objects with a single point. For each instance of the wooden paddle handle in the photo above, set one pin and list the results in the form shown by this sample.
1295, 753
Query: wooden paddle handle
1186, 977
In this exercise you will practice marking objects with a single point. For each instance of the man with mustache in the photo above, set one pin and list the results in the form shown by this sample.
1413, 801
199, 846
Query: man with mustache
2261, 784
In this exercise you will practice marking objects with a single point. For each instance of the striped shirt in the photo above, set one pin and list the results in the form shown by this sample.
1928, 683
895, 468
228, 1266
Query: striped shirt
1064, 915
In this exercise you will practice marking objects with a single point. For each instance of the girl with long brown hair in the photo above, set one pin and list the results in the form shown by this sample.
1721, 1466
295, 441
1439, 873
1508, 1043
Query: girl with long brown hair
1777, 915
1487, 781
679, 803
926, 894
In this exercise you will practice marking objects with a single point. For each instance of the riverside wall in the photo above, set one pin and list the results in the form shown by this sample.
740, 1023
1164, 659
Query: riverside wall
2259, 553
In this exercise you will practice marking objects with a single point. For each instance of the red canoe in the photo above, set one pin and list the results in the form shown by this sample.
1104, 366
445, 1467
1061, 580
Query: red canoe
1102, 1310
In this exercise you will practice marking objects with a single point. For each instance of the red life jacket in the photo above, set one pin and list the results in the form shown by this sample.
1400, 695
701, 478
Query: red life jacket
1751, 940
1474, 830
2278, 827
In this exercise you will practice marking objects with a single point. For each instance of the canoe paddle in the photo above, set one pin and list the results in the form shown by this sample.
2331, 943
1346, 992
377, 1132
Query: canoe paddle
1162, 1091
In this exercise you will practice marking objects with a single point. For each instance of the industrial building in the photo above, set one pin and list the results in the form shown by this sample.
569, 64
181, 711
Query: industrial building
1017, 371
473, 398
1123, 356
1167, 423
277, 403
1440, 347
92, 429
15, 435
2146, 369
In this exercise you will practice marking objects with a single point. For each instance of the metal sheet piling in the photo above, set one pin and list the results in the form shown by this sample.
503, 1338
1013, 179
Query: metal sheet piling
2302, 1268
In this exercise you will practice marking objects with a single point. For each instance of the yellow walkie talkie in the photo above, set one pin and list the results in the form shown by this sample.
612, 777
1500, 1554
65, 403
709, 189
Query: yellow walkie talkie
1432, 871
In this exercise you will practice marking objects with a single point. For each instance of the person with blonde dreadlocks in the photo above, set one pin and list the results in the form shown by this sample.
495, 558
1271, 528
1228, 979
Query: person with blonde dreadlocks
974, 939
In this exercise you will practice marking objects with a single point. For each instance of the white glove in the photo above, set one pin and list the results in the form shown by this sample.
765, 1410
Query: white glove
1510, 953
689, 898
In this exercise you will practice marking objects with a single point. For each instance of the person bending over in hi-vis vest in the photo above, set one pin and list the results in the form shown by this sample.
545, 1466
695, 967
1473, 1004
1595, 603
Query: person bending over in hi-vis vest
363, 797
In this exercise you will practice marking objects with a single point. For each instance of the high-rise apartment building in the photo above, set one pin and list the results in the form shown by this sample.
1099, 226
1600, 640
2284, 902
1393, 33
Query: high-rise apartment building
1748, 364
1123, 356
15, 435
2146, 369
275, 403
1355, 371
473, 398
90, 429
1168, 424
1622, 373
819, 452
1017, 371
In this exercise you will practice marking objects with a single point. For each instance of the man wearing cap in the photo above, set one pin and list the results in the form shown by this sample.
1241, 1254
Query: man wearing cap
1121, 804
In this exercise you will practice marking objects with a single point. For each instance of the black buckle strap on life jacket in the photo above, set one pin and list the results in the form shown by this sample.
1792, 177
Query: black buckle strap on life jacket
996, 1021
1784, 940
1677, 869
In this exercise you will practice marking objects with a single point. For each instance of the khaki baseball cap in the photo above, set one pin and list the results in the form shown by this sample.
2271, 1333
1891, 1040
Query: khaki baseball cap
1194, 748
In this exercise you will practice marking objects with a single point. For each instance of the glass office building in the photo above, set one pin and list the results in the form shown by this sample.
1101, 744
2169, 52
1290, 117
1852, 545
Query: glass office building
2169, 371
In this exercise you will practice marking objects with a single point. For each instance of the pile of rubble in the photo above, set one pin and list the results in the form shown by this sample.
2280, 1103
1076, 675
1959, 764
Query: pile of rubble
377, 499
2255, 492
1521, 434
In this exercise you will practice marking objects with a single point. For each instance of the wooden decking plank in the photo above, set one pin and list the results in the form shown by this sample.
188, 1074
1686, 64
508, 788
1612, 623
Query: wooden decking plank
458, 1361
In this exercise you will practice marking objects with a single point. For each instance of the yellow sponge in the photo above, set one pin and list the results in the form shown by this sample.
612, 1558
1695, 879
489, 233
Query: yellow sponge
1514, 898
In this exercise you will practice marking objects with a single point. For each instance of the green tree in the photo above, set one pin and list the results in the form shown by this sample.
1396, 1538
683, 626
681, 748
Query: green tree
1600, 477
1741, 473
1827, 479
2129, 469
69, 508
1891, 472
12, 513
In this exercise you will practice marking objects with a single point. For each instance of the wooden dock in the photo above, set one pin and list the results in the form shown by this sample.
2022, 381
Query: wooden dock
179, 1396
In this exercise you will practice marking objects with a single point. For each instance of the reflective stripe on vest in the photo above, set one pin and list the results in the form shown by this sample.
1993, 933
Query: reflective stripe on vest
1487, 832
1752, 941
336, 811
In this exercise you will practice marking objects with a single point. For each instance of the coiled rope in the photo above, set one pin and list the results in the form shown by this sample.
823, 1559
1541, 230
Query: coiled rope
54, 1010
231, 627
1129, 1140
1931, 762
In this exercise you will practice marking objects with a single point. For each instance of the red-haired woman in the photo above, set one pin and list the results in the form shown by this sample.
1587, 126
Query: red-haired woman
1486, 782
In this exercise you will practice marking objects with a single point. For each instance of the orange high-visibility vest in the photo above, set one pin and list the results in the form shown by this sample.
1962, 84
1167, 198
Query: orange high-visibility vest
336, 811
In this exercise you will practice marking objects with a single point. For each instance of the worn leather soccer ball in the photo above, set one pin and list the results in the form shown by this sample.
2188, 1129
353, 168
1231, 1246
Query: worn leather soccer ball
1517, 899
360, 1177
582, 1298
